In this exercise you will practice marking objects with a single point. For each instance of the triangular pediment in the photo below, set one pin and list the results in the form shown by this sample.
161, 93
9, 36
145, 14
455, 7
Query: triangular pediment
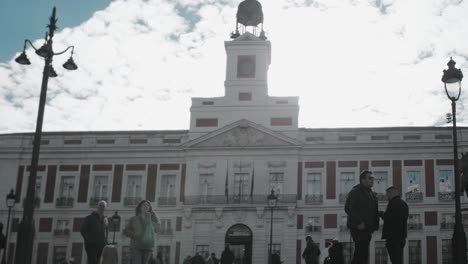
242, 133
247, 36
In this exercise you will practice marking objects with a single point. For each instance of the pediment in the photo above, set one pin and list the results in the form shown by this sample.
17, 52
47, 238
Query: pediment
242, 133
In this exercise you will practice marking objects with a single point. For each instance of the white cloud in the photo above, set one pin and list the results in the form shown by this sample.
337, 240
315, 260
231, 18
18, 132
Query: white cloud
353, 63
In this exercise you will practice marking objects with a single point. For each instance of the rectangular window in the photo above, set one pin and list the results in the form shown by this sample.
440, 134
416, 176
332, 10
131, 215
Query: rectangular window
206, 185
313, 224
60, 254
448, 221
171, 140
100, 187
245, 96
134, 186
446, 251
208, 103
414, 222
166, 226
203, 249
67, 185
275, 248
347, 181
413, 181
62, 227
281, 121
445, 181
246, 66
206, 122
165, 253
241, 184
276, 182
167, 186
380, 182
314, 183
38, 185
380, 252
414, 252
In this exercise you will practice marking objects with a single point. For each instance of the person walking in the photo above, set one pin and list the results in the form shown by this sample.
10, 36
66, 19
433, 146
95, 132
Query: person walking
395, 220
227, 257
312, 252
94, 231
141, 230
363, 216
335, 252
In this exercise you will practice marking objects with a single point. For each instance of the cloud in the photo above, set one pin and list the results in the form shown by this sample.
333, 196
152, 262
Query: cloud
140, 60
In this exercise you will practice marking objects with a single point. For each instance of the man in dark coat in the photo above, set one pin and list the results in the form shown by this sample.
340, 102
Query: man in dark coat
335, 252
311, 252
93, 230
363, 216
395, 222
227, 257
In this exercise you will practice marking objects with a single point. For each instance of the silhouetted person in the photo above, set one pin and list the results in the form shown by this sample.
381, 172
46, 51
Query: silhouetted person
335, 252
311, 252
93, 230
198, 259
363, 216
227, 257
395, 225
2, 240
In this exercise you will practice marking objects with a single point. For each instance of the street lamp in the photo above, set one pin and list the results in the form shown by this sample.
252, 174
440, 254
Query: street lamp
452, 82
10, 201
115, 222
26, 227
272, 202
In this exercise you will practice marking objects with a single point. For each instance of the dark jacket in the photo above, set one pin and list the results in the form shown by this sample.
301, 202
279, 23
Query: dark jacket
362, 206
335, 253
311, 253
227, 257
395, 219
94, 230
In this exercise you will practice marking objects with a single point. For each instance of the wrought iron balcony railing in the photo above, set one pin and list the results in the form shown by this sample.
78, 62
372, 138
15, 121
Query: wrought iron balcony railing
447, 226
446, 196
313, 229
37, 202
314, 199
131, 201
415, 226
167, 201
342, 197
93, 201
61, 232
256, 199
414, 197
64, 202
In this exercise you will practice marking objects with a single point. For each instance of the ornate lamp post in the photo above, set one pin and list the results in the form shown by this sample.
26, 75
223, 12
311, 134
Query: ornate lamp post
272, 202
115, 222
10, 201
452, 82
26, 227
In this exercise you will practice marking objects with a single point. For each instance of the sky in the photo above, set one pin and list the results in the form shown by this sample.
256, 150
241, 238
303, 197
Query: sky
353, 63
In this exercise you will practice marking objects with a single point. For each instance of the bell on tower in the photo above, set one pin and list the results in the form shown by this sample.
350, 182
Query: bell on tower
249, 14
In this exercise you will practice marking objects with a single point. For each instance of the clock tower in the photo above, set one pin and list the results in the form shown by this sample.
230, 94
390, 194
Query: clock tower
246, 84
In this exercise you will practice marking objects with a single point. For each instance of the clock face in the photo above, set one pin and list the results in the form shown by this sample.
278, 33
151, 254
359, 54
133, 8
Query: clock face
246, 67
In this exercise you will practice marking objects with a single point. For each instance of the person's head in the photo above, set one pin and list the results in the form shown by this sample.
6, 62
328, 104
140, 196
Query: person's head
143, 207
392, 191
366, 179
335, 241
308, 238
101, 206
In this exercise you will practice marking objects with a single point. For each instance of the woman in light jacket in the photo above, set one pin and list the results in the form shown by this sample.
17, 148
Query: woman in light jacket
141, 229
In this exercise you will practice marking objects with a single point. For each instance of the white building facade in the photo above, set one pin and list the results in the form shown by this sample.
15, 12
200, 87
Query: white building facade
209, 184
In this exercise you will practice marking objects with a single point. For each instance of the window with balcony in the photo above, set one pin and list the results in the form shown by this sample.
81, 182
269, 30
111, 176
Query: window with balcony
66, 191
62, 227
447, 251
60, 255
380, 252
100, 188
414, 222
166, 227
447, 222
206, 187
347, 181
276, 182
314, 188
445, 178
167, 190
380, 184
413, 186
414, 252
133, 190
313, 224
241, 186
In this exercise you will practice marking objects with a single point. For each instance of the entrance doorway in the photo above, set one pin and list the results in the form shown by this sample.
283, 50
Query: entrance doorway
239, 237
